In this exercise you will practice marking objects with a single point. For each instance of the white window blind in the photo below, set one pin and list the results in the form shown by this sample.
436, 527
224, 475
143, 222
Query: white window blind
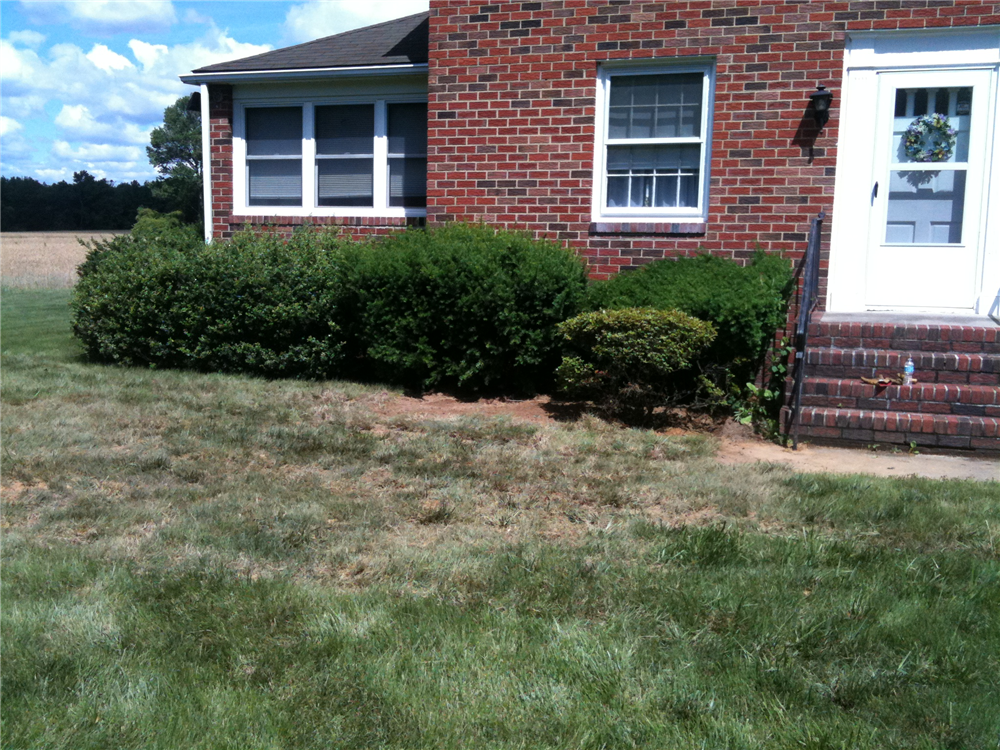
407, 137
274, 156
345, 156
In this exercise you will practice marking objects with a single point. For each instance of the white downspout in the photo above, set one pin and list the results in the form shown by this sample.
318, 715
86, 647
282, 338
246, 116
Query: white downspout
206, 163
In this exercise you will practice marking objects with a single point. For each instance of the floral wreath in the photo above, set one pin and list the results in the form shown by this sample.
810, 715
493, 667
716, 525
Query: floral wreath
930, 138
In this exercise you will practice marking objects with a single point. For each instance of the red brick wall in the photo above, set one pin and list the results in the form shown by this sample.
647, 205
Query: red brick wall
511, 111
224, 223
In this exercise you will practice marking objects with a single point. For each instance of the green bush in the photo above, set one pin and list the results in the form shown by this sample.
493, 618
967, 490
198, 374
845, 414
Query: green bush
746, 304
151, 228
259, 304
632, 360
461, 306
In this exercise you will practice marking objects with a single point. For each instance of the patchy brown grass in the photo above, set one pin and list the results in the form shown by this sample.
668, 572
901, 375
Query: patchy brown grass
43, 260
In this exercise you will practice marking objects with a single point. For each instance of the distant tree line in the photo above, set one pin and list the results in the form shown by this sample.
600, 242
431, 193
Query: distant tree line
27, 205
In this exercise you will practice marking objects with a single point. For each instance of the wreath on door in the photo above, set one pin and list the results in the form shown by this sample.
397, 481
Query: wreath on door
930, 138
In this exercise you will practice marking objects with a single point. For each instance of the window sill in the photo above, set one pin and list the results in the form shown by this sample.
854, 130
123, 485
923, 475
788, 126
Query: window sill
649, 227
285, 219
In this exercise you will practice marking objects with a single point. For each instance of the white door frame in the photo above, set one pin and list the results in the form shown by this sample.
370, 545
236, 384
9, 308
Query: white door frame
866, 55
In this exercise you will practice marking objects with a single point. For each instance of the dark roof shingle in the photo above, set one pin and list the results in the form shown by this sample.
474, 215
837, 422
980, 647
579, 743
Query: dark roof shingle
400, 41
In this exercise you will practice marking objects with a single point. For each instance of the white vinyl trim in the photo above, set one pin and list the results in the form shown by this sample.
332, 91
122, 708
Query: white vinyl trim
269, 76
599, 210
867, 54
309, 207
206, 163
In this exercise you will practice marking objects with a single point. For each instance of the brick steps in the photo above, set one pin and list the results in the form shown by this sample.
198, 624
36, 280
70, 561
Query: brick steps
930, 367
954, 404
900, 428
938, 398
908, 337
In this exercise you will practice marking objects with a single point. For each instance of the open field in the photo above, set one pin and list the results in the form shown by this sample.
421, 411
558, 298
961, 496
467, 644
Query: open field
42, 260
206, 561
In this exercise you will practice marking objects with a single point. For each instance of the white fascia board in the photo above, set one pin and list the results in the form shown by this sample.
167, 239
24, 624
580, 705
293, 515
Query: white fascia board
264, 76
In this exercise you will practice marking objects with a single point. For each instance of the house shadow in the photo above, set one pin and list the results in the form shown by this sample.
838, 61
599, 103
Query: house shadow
414, 45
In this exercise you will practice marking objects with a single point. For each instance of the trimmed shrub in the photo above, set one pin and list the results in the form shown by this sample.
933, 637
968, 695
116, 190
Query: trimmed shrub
458, 307
632, 360
461, 306
746, 304
259, 304
151, 228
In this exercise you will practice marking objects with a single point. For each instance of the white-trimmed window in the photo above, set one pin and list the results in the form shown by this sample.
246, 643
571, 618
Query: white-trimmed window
652, 154
332, 158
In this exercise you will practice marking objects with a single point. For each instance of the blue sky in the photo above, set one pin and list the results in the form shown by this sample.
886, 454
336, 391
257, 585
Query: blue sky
83, 82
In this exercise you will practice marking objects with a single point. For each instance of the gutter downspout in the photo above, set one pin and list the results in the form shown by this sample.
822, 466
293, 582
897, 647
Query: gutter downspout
206, 163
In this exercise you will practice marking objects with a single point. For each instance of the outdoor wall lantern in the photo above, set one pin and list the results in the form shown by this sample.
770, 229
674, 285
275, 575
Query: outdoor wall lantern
820, 100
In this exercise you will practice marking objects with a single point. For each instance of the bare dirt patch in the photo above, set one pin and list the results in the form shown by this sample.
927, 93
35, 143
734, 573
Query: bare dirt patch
43, 260
737, 444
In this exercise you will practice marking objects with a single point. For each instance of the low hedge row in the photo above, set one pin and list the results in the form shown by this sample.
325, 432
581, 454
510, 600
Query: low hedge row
458, 307
461, 307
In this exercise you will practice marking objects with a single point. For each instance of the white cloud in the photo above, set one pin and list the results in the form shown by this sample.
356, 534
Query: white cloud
193, 16
54, 175
103, 17
79, 122
27, 38
99, 152
13, 61
107, 60
147, 54
8, 125
319, 18
109, 97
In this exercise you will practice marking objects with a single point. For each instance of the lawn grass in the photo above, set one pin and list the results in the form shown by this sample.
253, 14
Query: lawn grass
211, 561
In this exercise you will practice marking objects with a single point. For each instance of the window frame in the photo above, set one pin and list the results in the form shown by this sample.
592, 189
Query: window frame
601, 212
310, 203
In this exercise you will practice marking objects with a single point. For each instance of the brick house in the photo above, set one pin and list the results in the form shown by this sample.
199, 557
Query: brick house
637, 131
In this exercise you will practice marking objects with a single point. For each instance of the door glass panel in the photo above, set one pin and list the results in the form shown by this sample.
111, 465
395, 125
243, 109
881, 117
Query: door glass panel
925, 208
953, 104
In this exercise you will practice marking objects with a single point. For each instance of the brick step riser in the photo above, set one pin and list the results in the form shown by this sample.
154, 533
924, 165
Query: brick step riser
903, 337
904, 344
927, 398
866, 427
930, 367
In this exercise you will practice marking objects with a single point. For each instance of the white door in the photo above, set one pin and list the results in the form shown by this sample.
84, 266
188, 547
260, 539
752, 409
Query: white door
928, 190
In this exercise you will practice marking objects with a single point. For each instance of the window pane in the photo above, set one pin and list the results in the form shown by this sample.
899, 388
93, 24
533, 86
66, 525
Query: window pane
408, 182
274, 131
954, 104
344, 182
664, 176
656, 106
407, 126
347, 129
274, 183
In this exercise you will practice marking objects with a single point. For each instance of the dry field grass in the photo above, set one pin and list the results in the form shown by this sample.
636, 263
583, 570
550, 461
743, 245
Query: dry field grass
43, 260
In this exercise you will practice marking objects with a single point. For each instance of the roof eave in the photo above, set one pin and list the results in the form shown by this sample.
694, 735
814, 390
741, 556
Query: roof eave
302, 74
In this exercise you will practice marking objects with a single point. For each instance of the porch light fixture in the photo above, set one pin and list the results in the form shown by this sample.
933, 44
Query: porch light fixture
820, 101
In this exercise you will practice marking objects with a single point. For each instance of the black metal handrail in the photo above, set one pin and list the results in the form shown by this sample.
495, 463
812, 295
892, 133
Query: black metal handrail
807, 303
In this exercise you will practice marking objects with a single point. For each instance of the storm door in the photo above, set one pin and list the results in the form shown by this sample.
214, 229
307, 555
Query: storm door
927, 190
